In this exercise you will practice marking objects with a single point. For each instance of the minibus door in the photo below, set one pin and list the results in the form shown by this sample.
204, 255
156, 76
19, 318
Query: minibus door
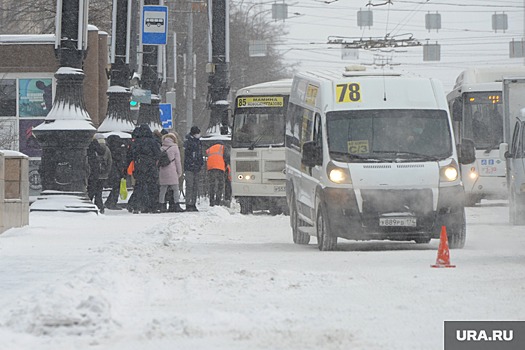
311, 175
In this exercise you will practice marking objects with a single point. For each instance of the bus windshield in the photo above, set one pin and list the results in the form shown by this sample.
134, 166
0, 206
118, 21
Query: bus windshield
258, 127
389, 134
482, 119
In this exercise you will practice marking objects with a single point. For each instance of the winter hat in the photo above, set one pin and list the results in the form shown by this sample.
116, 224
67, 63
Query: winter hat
100, 138
164, 132
195, 130
170, 136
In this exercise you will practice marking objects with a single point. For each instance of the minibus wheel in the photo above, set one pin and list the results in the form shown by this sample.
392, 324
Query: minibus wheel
457, 233
516, 208
325, 242
298, 236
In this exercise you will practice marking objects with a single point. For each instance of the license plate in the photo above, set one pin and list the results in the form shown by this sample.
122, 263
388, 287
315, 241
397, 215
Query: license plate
407, 222
279, 188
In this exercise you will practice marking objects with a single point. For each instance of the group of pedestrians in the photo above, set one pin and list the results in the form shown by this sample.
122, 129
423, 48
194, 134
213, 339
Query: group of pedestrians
159, 163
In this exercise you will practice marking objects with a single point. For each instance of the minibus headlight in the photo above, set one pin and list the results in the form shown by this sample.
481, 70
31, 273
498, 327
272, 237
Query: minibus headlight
338, 175
449, 172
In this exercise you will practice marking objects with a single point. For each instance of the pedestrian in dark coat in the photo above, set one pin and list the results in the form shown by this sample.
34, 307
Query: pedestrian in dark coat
145, 153
169, 175
119, 148
100, 162
193, 162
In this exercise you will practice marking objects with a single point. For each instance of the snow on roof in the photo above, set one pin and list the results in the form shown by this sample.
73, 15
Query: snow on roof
118, 88
69, 70
214, 133
12, 154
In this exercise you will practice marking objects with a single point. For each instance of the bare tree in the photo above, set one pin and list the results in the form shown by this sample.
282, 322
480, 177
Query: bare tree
38, 16
245, 25
8, 134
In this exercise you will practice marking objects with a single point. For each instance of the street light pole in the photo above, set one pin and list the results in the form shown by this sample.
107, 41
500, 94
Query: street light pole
118, 116
149, 113
219, 78
67, 130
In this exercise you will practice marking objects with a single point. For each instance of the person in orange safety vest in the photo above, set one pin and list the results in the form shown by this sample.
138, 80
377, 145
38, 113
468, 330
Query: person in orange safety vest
216, 165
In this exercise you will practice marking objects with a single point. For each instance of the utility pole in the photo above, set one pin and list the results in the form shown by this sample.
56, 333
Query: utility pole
118, 117
149, 113
189, 70
219, 70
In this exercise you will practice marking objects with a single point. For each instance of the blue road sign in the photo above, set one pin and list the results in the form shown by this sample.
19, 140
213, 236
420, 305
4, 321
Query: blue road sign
154, 25
165, 115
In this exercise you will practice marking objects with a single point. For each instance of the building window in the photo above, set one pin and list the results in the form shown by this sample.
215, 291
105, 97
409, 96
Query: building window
7, 97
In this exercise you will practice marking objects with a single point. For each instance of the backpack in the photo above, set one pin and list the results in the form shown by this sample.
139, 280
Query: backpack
104, 163
164, 159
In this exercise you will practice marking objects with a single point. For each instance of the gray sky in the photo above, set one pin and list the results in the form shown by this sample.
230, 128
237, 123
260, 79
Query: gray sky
466, 36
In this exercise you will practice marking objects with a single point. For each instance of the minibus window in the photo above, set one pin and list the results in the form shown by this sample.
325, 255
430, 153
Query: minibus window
394, 134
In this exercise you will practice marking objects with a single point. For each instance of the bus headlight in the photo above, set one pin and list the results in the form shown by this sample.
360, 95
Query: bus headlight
246, 177
449, 172
338, 175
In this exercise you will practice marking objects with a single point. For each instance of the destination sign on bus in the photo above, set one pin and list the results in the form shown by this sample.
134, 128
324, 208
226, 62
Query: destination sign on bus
484, 98
260, 101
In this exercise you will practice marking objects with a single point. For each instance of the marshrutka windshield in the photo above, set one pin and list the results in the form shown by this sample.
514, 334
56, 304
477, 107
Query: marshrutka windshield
389, 134
258, 127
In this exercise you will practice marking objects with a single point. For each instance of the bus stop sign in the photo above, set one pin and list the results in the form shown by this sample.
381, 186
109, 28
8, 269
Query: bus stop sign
165, 115
154, 25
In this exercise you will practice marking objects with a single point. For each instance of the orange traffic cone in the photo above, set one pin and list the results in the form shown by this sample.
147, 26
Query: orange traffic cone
443, 257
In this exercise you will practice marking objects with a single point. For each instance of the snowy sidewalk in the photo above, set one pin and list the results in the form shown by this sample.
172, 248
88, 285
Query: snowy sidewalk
220, 280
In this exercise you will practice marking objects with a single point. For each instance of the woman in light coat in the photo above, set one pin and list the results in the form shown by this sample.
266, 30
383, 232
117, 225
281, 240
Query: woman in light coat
170, 174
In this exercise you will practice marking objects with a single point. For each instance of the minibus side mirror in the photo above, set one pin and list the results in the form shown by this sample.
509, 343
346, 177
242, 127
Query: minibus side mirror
311, 154
466, 152
504, 150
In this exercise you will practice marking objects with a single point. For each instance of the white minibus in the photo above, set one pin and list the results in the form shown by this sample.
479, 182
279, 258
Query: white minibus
372, 156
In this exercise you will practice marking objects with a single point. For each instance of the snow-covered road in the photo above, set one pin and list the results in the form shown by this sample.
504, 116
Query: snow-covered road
219, 280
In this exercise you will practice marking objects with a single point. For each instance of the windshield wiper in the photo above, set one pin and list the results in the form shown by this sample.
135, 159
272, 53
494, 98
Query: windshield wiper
254, 143
353, 156
491, 147
349, 155
417, 155
404, 153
